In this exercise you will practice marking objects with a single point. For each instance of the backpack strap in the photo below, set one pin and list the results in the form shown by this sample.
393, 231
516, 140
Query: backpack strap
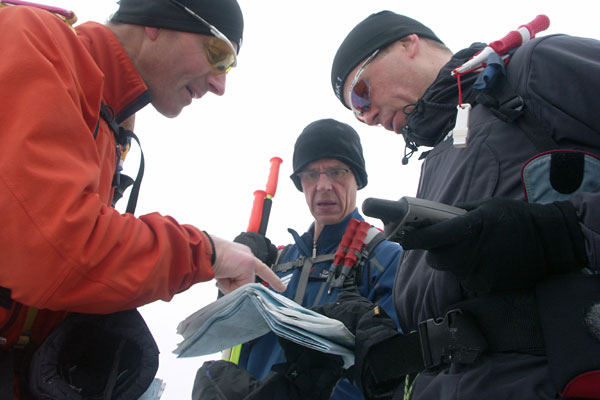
508, 106
121, 181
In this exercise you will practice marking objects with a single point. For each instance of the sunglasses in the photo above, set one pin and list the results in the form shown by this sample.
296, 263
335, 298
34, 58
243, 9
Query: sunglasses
220, 53
360, 91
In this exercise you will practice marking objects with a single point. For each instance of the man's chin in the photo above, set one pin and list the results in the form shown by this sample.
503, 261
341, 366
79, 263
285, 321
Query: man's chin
169, 111
328, 219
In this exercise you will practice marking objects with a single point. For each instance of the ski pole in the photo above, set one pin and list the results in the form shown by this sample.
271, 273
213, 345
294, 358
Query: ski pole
259, 218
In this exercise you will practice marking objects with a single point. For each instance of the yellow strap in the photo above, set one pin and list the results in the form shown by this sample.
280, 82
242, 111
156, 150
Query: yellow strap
26, 332
232, 354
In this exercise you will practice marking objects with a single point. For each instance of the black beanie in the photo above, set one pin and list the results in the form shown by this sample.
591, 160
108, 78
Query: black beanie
328, 138
375, 32
225, 15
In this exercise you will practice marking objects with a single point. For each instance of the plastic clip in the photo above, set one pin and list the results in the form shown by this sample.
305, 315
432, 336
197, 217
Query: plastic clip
461, 129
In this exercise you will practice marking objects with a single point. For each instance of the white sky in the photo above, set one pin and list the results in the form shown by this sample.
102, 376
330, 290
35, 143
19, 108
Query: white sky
203, 167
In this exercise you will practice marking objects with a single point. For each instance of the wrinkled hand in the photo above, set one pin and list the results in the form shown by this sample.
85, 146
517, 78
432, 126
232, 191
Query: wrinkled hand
349, 307
504, 244
260, 245
235, 266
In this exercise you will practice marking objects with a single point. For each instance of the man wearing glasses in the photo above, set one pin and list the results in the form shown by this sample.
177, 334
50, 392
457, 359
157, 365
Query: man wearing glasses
329, 168
504, 301
64, 247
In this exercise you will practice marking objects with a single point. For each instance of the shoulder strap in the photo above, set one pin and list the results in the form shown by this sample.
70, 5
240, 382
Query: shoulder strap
120, 181
502, 101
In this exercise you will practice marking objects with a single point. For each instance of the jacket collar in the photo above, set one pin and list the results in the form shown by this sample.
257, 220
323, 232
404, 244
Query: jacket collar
330, 236
124, 90
435, 113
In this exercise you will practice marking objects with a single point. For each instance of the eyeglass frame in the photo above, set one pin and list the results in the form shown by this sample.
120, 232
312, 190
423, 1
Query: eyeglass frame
326, 173
358, 114
215, 32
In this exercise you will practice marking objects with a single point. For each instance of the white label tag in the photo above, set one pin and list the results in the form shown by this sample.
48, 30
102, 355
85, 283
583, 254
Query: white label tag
461, 129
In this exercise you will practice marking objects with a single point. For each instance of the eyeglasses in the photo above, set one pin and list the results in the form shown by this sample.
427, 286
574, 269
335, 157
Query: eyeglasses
220, 53
360, 91
311, 177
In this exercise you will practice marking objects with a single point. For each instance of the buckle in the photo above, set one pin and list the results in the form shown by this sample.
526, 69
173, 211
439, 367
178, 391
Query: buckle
456, 338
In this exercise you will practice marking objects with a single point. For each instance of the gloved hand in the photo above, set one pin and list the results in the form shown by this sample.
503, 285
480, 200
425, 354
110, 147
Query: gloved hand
504, 244
306, 374
371, 326
375, 330
261, 246
348, 308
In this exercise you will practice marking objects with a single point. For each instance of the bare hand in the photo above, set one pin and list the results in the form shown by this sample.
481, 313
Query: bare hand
235, 266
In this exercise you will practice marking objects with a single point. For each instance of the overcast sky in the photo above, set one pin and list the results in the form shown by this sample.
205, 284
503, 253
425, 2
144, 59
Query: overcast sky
203, 167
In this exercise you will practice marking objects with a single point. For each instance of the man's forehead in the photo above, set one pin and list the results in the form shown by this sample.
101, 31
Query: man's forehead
325, 163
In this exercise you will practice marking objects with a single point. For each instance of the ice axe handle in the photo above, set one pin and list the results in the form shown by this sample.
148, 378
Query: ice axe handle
523, 34
408, 213
273, 176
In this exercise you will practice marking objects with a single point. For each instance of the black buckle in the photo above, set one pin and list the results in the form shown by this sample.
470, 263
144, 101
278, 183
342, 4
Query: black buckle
452, 339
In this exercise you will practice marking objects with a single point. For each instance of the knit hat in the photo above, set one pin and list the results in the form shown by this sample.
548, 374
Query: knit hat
375, 32
225, 15
328, 138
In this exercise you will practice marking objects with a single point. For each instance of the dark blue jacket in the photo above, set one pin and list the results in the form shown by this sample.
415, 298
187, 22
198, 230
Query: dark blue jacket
376, 284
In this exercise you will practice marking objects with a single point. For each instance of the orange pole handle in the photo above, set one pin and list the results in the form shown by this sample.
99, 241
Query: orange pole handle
273, 176
257, 210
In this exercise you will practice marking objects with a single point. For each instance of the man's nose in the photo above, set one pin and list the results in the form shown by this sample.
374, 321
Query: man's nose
324, 182
216, 83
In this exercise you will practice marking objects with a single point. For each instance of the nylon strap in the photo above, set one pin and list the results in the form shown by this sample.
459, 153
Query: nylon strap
303, 282
121, 136
25, 336
507, 105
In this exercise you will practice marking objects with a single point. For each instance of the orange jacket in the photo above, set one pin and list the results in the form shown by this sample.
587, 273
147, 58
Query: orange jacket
62, 247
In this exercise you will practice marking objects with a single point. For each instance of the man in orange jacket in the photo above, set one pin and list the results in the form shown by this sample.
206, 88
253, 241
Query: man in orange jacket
64, 247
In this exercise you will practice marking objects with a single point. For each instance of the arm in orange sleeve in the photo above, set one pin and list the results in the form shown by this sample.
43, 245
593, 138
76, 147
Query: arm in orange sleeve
62, 246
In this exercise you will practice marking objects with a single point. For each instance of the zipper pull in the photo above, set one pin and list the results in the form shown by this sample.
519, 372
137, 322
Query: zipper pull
461, 128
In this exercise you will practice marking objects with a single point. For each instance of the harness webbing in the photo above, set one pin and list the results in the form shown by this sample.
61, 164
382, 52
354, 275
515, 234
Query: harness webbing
372, 238
120, 181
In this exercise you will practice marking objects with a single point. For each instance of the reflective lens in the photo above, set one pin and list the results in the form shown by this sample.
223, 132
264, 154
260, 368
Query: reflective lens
360, 91
219, 55
361, 96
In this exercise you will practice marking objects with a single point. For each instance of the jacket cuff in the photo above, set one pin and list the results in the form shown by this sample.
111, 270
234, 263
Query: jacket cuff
212, 245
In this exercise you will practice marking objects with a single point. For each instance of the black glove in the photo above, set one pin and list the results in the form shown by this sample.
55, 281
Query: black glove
223, 380
307, 374
504, 244
348, 308
261, 246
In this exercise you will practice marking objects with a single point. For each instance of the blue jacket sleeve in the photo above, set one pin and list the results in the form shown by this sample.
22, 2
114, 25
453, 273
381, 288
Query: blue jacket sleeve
379, 274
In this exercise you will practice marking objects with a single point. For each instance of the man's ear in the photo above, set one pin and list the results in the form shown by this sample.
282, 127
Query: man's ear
411, 44
152, 32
